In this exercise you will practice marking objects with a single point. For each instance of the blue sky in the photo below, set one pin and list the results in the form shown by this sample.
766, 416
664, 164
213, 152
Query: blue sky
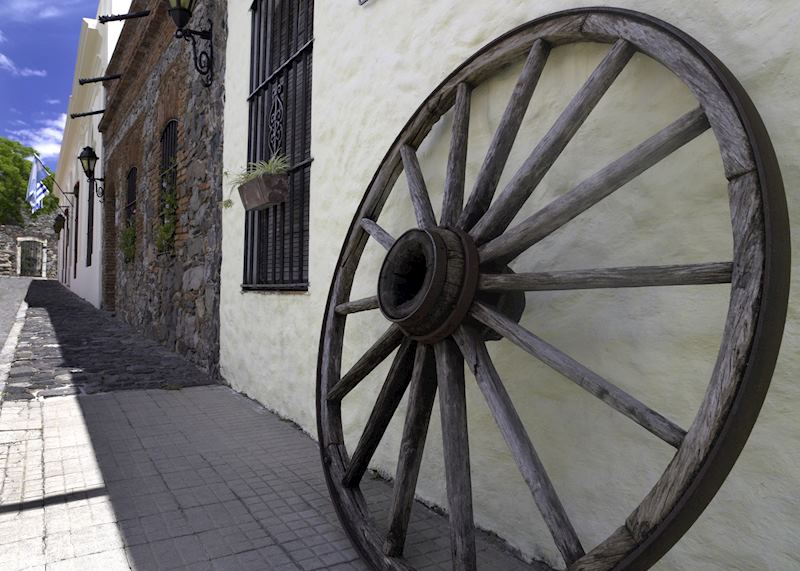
38, 46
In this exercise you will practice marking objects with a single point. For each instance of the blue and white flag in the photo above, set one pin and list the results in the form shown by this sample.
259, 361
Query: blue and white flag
36, 188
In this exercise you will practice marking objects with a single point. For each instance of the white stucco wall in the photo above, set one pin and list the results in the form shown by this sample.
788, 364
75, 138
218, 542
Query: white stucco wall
373, 65
96, 44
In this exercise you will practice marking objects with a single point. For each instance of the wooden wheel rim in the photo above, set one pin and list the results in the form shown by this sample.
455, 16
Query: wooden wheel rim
759, 292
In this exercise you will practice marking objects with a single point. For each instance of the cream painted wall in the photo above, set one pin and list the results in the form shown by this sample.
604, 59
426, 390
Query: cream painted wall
96, 44
373, 65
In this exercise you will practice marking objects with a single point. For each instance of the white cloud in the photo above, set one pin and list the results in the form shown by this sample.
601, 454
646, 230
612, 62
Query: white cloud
45, 138
52, 101
31, 10
7, 65
2, 37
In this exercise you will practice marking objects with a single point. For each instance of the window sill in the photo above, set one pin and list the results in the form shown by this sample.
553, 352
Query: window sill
275, 288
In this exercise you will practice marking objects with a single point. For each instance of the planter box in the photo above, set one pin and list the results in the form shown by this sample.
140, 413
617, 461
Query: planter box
264, 191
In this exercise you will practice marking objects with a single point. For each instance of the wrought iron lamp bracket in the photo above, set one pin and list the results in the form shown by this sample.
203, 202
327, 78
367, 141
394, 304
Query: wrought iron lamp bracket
99, 190
203, 59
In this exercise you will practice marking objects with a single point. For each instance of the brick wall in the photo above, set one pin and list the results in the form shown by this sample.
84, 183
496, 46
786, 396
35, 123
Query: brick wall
171, 296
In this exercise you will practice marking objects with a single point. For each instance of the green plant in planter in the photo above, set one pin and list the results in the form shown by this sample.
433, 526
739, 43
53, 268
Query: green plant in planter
277, 165
127, 243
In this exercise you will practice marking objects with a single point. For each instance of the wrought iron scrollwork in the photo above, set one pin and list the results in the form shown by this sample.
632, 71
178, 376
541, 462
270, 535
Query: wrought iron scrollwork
99, 189
203, 59
276, 119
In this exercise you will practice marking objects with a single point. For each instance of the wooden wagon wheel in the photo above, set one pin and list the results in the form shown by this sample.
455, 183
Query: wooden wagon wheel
445, 289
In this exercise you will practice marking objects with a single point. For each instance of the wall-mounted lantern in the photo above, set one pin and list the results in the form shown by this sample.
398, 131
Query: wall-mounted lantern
181, 12
58, 223
88, 160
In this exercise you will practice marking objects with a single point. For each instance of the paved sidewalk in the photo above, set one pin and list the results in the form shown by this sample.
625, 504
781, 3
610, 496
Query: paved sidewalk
196, 478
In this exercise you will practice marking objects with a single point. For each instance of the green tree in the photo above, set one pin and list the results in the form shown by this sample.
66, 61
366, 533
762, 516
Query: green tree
14, 172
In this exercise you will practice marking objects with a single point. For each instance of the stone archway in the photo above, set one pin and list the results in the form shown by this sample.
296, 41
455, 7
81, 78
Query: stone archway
31, 256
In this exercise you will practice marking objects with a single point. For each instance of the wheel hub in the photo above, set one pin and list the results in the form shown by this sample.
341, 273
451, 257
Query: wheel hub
428, 281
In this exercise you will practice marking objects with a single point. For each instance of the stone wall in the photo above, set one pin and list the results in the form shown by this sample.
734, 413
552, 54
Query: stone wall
39, 228
173, 295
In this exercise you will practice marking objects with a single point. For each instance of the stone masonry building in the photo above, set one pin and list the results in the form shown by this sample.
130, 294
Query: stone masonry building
163, 183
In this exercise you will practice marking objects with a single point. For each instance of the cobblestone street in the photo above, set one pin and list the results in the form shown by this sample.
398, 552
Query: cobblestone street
172, 473
68, 347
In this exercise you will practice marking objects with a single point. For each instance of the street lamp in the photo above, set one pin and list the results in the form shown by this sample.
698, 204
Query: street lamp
181, 12
88, 160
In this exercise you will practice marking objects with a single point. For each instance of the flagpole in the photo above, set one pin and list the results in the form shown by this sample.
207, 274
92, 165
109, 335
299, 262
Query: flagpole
35, 156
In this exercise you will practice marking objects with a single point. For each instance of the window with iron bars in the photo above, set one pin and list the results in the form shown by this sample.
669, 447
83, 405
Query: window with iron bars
130, 197
276, 238
169, 163
76, 191
90, 224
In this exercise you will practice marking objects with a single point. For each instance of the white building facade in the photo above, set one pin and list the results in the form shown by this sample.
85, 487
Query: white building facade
80, 255
372, 67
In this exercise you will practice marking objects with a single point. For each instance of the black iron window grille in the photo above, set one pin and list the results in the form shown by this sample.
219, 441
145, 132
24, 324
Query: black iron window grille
65, 266
276, 239
77, 192
169, 163
130, 197
89, 226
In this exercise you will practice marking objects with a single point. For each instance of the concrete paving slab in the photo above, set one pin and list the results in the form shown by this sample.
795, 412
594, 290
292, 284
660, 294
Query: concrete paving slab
121, 474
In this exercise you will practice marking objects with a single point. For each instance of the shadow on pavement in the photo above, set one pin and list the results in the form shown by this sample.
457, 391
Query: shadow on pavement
70, 347
195, 478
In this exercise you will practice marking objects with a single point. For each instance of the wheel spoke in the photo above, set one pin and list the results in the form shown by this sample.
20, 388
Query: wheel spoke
420, 404
374, 356
379, 234
416, 187
595, 188
514, 195
453, 409
610, 394
385, 406
457, 161
504, 136
638, 276
357, 305
522, 449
